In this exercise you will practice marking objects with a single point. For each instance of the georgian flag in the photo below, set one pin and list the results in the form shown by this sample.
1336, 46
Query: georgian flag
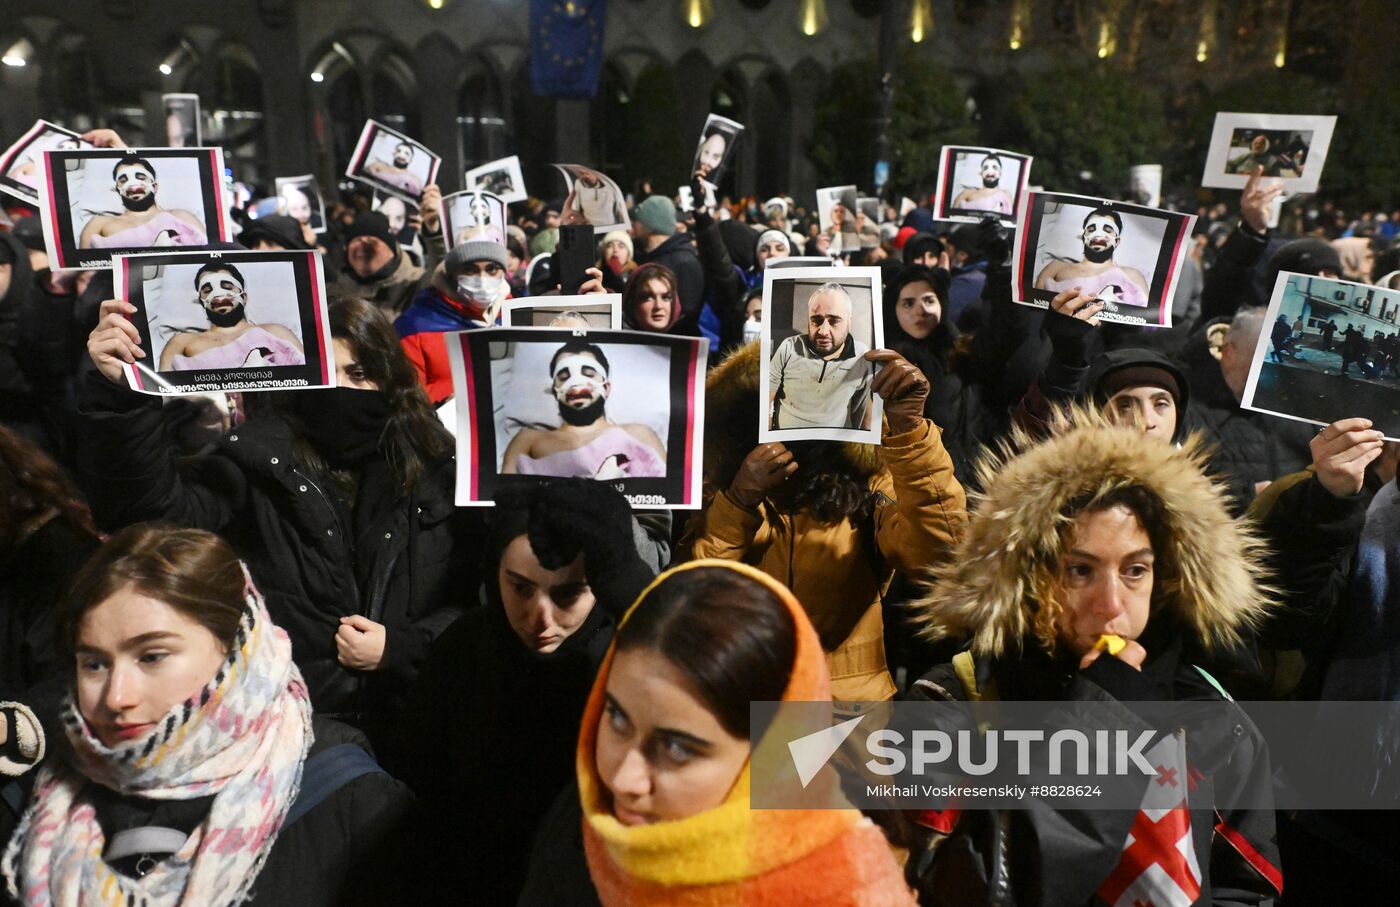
1158, 866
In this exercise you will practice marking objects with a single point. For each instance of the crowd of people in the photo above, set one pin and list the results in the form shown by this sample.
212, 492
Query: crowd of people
250, 651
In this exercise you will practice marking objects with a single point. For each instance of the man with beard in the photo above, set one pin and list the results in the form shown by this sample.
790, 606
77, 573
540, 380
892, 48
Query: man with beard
1097, 275
989, 197
143, 224
231, 340
587, 444
821, 379
396, 172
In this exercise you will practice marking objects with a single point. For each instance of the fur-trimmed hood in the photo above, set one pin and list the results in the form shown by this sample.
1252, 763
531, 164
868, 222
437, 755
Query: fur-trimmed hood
985, 591
731, 420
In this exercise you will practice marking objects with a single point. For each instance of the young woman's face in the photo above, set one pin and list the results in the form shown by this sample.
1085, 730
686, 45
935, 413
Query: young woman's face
1105, 579
348, 370
918, 310
655, 305
544, 607
137, 658
661, 753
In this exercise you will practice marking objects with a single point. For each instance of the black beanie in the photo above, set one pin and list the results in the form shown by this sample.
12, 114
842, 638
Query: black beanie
920, 243
372, 223
281, 229
967, 238
1303, 256
30, 232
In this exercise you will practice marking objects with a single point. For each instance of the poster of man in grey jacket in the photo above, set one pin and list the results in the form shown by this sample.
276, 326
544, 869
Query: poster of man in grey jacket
820, 323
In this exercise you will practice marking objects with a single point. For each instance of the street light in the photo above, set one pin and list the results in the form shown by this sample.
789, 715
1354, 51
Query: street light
19, 53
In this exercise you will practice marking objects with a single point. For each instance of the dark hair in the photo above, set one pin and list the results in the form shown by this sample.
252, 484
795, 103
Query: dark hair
1103, 211
131, 159
408, 145
216, 265
32, 485
990, 157
827, 485
637, 285
193, 571
938, 347
579, 346
730, 637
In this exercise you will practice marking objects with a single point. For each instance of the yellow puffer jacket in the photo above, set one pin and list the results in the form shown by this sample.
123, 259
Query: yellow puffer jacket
921, 514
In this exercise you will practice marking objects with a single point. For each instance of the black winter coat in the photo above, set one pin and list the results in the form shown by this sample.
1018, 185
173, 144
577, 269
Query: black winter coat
1053, 856
409, 570
33, 580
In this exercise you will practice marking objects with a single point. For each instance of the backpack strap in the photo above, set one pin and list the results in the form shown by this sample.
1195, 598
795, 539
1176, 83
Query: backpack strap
327, 772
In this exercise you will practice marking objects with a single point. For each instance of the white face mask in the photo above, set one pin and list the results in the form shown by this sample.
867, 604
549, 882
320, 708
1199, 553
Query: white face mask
486, 292
752, 329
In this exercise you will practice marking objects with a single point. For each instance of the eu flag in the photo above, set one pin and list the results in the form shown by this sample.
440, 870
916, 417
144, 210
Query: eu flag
566, 47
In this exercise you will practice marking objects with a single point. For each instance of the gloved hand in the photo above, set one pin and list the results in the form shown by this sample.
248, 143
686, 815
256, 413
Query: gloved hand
994, 240
573, 516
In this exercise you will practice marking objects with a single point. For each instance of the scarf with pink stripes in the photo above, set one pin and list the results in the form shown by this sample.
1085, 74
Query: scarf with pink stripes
243, 739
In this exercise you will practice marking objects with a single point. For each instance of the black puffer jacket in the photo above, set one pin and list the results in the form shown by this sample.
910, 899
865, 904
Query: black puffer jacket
407, 570
679, 254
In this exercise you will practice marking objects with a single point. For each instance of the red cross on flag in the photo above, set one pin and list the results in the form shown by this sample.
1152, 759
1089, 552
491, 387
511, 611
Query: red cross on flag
1158, 866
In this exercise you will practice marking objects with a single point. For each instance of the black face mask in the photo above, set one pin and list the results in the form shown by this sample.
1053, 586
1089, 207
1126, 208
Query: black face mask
226, 319
344, 424
139, 204
585, 416
382, 274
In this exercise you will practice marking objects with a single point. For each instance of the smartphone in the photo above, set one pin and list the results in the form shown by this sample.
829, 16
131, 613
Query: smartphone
574, 255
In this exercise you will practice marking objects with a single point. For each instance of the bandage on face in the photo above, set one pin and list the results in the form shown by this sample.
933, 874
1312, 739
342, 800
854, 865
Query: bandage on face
217, 285
579, 379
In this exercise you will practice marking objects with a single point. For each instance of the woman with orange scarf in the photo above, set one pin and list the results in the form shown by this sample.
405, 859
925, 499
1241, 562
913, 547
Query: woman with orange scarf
663, 757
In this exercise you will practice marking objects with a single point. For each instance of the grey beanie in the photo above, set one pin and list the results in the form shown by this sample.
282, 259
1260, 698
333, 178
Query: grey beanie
475, 250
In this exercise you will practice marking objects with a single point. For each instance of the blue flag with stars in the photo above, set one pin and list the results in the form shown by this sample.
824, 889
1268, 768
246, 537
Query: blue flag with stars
566, 47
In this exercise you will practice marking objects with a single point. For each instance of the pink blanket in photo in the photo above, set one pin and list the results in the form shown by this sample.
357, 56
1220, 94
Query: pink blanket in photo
254, 347
165, 229
584, 462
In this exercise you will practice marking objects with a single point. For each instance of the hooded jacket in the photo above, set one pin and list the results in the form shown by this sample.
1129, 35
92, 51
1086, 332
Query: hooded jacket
679, 254
839, 571
1053, 855
435, 310
404, 570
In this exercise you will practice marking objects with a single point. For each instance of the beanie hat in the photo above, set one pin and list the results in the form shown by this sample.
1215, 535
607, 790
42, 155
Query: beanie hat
921, 219
770, 235
279, 229
1305, 256
967, 238
372, 223
657, 214
475, 250
920, 243
617, 236
1138, 375
30, 232
903, 236
544, 242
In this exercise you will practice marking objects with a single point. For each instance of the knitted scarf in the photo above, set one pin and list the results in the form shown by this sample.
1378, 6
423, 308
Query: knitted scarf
242, 739
733, 854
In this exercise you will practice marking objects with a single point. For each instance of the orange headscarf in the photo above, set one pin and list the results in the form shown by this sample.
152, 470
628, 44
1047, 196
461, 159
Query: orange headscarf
734, 854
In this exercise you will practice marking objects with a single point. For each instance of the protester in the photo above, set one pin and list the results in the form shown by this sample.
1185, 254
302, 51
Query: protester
651, 301
466, 293
831, 521
340, 500
615, 260
196, 773
663, 762
377, 268
658, 242
1100, 530
504, 688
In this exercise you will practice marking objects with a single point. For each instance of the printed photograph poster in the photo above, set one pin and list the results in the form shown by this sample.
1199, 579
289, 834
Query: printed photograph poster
815, 384
836, 209
501, 178
227, 321
1128, 256
301, 199
471, 215
180, 120
623, 407
100, 202
391, 162
1291, 149
1328, 349
19, 165
593, 198
590, 312
715, 149
1145, 184
975, 182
